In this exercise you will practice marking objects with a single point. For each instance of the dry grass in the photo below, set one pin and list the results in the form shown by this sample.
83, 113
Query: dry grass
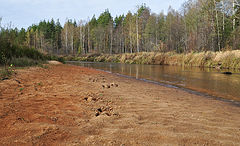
227, 59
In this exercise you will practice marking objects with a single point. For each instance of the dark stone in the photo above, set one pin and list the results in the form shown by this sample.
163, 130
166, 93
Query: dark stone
97, 114
100, 110
227, 73
18, 81
5, 78
108, 114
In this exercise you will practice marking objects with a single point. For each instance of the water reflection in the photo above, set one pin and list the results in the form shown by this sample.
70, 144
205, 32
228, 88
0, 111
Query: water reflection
206, 80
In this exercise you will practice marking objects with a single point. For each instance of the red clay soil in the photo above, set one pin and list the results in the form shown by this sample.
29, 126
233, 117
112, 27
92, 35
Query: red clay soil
71, 105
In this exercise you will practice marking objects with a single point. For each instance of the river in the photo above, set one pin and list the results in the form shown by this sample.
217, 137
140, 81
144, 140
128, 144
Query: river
206, 81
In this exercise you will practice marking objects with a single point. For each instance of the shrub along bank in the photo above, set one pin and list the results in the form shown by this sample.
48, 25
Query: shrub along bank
12, 56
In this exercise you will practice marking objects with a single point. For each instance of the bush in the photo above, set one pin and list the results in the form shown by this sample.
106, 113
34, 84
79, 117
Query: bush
6, 72
61, 59
12, 53
22, 62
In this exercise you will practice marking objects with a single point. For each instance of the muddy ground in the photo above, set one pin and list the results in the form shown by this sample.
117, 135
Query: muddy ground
71, 105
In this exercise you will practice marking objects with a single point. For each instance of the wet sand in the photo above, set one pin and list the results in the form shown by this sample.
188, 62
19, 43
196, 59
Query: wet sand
72, 105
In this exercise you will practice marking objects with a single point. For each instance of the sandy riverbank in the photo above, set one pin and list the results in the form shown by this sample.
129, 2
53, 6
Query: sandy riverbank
68, 105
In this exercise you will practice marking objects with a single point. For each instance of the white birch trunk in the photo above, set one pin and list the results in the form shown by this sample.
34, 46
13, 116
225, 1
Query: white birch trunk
218, 36
137, 34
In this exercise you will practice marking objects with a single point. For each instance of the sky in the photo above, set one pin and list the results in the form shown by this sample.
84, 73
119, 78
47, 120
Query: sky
24, 13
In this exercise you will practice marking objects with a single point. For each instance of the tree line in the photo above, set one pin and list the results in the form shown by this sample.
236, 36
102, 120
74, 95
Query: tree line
199, 25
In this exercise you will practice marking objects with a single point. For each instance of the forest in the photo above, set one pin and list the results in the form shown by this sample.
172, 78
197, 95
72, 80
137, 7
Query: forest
199, 25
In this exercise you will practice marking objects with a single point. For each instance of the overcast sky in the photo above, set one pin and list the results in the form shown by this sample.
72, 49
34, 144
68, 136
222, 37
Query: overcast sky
23, 13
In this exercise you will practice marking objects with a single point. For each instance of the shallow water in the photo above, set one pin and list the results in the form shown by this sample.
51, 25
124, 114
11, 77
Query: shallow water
204, 80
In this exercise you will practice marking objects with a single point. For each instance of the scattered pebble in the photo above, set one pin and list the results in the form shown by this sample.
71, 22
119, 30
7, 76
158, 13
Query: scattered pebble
89, 99
109, 85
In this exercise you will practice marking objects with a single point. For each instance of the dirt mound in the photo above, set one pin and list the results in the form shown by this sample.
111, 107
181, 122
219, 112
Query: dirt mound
54, 62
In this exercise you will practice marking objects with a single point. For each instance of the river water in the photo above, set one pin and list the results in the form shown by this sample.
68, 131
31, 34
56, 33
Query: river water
203, 80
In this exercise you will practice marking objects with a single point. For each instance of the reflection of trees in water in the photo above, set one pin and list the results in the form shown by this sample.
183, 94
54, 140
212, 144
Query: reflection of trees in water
199, 79
137, 69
